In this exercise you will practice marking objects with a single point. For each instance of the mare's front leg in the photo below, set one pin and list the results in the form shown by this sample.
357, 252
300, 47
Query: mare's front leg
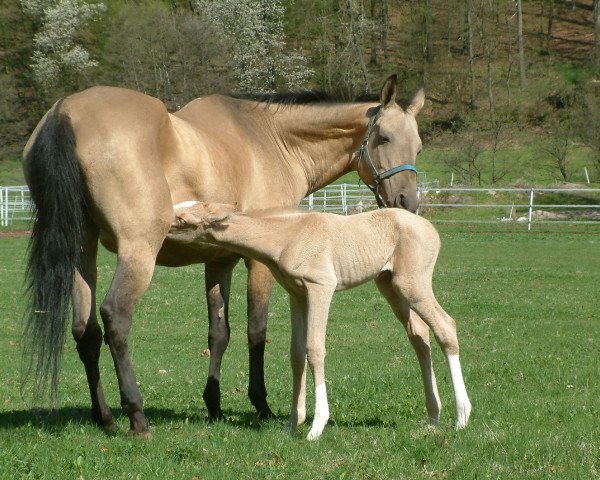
218, 284
418, 334
298, 310
319, 299
260, 285
86, 331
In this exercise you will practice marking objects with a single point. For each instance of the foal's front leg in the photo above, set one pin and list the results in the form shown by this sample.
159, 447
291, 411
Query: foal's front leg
319, 299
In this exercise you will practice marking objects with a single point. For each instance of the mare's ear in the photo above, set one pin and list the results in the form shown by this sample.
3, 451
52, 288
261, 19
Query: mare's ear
416, 103
388, 92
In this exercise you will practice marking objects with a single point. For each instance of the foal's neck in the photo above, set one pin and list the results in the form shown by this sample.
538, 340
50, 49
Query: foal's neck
261, 238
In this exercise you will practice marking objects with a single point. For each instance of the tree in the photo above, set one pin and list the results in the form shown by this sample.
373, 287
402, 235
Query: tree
558, 144
58, 57
597, 34
520, 45
254, 31
181, 60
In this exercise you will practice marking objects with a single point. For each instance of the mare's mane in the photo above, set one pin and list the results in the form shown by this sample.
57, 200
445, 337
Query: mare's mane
307, 97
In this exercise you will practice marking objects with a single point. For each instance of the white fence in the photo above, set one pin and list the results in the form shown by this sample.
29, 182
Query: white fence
503, 205
15, 204
527, 206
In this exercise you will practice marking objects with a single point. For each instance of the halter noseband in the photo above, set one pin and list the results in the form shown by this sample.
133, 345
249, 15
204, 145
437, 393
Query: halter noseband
363, 151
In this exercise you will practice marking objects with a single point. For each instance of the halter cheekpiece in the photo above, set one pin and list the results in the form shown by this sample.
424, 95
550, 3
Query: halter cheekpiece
363, 151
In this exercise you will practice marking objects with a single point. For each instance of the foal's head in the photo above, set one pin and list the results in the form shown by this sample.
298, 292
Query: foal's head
195, 220
386, 161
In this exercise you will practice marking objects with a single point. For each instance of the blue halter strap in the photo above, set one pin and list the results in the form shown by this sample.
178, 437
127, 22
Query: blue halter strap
363, 151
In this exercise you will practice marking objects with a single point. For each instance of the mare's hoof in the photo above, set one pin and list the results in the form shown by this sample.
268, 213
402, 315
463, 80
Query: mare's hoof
215, 415
265, 413
105, 423
145, 435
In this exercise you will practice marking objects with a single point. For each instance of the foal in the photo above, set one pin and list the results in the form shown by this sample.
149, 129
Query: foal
312, 255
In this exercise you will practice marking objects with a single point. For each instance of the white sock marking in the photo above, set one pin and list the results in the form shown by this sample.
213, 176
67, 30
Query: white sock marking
321, 412
463, 404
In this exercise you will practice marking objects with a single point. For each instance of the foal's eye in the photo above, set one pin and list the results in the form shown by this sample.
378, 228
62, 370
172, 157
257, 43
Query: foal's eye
383, 140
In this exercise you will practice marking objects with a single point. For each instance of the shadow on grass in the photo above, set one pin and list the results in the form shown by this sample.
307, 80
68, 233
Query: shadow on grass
56, 420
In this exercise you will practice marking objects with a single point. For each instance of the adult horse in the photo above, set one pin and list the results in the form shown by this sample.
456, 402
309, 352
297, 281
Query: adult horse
108, 164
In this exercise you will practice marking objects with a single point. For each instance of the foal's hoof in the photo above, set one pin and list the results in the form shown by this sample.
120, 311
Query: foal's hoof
146, 435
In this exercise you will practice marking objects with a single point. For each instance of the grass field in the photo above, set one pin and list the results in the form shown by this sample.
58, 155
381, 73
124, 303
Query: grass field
527, 309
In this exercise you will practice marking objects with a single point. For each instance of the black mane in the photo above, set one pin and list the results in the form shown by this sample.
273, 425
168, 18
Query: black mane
288, 98
305, 97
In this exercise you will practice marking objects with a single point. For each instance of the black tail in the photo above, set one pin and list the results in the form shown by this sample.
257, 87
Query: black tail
57, 188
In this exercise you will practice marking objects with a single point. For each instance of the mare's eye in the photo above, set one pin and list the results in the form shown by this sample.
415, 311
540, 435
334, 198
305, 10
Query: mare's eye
383, 140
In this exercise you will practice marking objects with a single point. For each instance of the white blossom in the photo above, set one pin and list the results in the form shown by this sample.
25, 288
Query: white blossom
56, 50
255, 31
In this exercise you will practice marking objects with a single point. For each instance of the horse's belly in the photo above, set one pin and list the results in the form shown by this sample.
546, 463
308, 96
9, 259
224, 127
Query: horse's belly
175, 254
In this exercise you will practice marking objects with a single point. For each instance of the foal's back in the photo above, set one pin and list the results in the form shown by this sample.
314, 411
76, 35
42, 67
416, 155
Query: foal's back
351, 250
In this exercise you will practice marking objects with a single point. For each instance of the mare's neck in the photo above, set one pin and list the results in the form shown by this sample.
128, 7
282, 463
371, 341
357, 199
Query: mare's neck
322, 138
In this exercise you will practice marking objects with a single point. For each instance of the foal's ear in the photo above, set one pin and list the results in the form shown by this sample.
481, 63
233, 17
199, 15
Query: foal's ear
219, 212
185, 219
416, 103
388, 92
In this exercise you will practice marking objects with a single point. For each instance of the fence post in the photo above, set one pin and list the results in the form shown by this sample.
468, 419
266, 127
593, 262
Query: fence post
324, 200
344, 204
310, 201
587, 177
530, 210
3, 207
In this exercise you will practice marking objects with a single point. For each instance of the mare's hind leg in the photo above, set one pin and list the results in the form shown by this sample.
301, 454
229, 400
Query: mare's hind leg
85, 329
260, 285
218, 282
135, 266
418, 334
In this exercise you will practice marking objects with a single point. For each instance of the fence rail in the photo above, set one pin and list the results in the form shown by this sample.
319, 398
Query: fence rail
15, 204
528, 206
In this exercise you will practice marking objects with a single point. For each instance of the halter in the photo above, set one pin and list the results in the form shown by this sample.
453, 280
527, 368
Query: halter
363, 151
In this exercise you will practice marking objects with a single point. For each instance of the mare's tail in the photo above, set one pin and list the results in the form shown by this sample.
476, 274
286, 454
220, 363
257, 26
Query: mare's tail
57, 189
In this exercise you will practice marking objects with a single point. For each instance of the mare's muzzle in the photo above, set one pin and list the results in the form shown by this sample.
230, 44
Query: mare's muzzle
407, 200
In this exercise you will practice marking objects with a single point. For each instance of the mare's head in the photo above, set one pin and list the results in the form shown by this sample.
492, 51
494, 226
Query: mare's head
386, 159
196, 220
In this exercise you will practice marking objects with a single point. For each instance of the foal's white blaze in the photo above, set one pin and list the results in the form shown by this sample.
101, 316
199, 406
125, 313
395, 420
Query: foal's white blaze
321, 412
463, 404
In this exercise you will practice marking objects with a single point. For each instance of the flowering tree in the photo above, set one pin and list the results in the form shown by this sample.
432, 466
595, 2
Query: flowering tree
255, 33
57, 54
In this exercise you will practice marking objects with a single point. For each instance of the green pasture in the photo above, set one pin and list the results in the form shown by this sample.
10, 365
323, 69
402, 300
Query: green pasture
527, 311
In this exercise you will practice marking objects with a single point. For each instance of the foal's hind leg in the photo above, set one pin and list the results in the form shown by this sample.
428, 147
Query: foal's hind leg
135, 266
418, 334
86, 331
418, 292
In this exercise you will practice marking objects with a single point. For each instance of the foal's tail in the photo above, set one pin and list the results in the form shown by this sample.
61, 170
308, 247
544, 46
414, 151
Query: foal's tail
57, 189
